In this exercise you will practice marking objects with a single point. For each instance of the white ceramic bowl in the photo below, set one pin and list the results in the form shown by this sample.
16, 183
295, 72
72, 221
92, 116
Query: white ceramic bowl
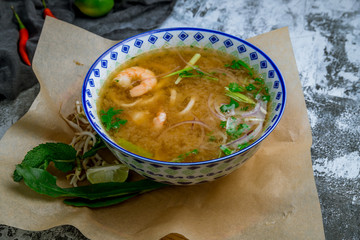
171, 172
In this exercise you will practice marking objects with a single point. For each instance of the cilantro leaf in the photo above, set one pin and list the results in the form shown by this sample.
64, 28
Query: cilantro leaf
235, 131
181, 157
250, 87
223, 124
259, 81
234, 87
107, 118
238, 64
63, 156
228, 107
266, 98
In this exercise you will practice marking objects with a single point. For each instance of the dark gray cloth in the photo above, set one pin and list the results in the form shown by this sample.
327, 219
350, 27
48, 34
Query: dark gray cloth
127, 18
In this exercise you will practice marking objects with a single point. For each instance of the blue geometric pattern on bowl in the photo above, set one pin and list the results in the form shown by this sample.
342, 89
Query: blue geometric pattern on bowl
183, 173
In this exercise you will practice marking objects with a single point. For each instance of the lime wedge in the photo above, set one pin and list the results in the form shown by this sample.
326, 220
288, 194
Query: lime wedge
110, 173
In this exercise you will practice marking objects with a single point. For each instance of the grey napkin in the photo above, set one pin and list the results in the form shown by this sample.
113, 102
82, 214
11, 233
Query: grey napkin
127, 18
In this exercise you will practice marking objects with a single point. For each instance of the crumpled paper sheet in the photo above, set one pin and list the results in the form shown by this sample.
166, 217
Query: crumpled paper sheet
272, 196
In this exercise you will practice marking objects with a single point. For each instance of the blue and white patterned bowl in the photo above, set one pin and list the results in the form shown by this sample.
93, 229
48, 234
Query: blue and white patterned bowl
171, 172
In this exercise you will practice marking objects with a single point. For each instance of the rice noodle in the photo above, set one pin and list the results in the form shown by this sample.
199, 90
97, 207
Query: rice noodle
172, 96
189, 106
130, 104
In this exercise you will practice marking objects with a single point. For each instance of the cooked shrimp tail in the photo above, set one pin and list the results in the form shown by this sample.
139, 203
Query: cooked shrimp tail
146, 77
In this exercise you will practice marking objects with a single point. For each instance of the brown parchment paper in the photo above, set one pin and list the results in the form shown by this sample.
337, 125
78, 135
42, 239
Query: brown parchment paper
273, 196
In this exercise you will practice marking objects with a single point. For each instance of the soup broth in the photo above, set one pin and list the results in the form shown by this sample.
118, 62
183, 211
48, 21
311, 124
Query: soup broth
184, 104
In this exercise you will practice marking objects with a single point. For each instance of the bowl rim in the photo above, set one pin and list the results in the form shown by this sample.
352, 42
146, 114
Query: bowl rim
116, 146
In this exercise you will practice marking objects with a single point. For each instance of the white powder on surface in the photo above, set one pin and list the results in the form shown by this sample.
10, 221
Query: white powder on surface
347, 166
313, 118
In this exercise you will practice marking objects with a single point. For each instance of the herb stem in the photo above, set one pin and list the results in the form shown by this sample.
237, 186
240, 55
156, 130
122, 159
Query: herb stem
192, 61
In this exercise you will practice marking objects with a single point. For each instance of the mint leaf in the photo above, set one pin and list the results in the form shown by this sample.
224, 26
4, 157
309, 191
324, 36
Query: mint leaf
63, 156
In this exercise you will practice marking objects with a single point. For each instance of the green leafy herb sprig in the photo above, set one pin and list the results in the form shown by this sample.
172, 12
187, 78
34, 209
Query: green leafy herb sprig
33, 171
191, 72
238, 64
62, 155
109, 120
182, 157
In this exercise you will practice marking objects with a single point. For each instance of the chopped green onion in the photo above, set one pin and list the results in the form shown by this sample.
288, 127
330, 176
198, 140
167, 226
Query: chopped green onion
239, 97
226, 150
180, 71
192, 61
242, 146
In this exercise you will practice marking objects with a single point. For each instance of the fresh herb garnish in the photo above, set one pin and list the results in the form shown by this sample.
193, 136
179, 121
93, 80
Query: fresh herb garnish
228, 107
212, 138
194, 73
259, 81
234, 130
180, 71
182, 157
250, 87
235, 87
33, 171
239, 97
62, 155
238, 64
244, 108
107, 118
266, 98
223, 124
242, 146
43, 182
226, 150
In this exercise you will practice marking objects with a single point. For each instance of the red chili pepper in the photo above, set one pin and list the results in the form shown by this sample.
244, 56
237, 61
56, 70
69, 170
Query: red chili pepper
24, 36
47, 11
